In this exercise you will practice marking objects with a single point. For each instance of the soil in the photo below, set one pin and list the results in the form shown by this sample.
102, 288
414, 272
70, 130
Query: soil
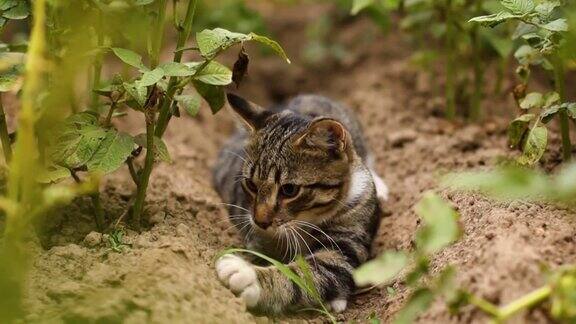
165, 272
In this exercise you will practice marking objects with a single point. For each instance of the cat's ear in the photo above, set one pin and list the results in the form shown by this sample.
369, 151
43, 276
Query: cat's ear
326, 134
252, 114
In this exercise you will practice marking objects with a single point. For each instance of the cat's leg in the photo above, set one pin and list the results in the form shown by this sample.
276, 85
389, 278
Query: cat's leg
267, 290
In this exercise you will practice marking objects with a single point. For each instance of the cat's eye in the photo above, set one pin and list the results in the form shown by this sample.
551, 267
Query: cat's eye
289, 190
250, 185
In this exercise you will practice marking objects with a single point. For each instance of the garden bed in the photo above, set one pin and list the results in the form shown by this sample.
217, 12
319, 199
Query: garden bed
165, 273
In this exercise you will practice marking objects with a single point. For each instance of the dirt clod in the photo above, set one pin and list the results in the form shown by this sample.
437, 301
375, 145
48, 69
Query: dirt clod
93, 239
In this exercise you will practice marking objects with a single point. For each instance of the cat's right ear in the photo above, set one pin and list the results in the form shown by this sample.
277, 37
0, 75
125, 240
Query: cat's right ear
252, 114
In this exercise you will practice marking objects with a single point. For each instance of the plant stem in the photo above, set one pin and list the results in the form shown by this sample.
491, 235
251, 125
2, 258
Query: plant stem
166, 101
450, 63
97, 73
24, 193
98, 211
6, 145
484, 305
145, 174
500, 72
108, 120
475, 107
524, 302
158, 36
560, 84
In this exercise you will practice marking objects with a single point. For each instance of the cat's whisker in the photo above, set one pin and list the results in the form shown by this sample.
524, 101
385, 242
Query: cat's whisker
312, 236
321, 231
244, 225
236, 154
288, 246
296, 247
232, 218
307, 246
235, 206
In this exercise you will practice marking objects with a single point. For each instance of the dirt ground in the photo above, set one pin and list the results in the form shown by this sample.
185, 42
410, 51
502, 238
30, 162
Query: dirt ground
165, 273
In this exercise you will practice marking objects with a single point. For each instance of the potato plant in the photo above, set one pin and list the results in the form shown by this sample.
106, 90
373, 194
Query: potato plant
439, 29
65, 139
541, 26
440, 229
512, 183
88, 140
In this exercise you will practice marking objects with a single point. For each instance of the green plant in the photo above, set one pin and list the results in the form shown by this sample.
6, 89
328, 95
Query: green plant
510, 183
439, 230
464, 49
302, 277
26, 199
542, 26
88, 140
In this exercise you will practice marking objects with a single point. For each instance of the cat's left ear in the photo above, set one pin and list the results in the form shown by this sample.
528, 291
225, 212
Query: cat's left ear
326, 134
252, 114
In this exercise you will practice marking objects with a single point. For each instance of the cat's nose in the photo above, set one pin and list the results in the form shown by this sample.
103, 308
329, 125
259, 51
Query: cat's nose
263, 224
263, 217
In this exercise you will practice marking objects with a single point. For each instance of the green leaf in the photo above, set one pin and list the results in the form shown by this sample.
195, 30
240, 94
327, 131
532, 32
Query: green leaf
545, 9
136, 92
175, 69
151, 77
52, 174
75, 146
418, 302
20, 11
214, 73
7, 82
520, 7
558, 25
190, 103
505, 183
7, 4
214, 95
212, 41
111, 154
571, 109
527, 55
381, 269
272, 44
532, 100
518, 128
129, 57
551, 98
160, 148
359, 5
547, 115
494, 19
440, 224
535, 146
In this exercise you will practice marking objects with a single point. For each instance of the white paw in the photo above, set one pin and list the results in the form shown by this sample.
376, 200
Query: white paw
240, 276
381, 187
338, 305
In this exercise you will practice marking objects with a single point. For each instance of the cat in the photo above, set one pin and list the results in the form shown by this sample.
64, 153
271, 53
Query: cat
297, 180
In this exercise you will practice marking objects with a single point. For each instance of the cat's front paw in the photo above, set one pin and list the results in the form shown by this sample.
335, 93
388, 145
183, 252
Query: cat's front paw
240, 276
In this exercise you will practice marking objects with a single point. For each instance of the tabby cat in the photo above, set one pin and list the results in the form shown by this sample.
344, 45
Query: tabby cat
297, 182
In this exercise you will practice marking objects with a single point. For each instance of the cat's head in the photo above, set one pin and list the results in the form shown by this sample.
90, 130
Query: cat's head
296, 169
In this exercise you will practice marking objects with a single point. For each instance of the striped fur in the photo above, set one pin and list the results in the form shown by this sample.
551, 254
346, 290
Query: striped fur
315, 146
